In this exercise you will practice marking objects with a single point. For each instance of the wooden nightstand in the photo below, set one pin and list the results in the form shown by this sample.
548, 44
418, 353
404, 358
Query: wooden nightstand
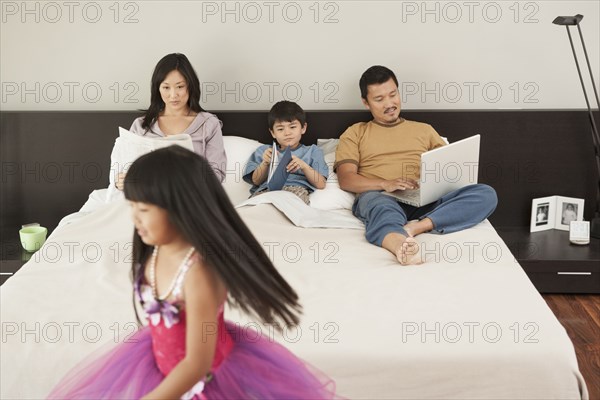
552, 263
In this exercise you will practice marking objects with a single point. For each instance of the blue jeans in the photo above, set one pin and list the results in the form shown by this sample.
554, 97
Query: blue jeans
455, 211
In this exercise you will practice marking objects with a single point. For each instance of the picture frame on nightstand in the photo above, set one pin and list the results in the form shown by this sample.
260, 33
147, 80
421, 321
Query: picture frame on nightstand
555, 212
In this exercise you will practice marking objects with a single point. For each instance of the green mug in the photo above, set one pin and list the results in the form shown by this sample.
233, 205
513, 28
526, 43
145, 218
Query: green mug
33, 237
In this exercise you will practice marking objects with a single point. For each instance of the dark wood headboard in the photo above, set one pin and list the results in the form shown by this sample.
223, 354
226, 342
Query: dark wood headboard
52, 160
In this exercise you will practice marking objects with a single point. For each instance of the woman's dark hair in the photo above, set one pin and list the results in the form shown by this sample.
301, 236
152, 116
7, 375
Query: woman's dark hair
171, 62
183, 183
287, 111
375, 75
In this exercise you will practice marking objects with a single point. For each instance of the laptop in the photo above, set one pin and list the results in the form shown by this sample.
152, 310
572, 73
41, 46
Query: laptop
443, 170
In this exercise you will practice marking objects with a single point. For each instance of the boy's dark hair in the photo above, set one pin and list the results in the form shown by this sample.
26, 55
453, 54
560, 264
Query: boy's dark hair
184, 184
375, 75
287, 111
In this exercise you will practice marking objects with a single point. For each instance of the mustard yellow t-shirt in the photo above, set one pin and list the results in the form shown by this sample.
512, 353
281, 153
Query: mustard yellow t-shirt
387, 152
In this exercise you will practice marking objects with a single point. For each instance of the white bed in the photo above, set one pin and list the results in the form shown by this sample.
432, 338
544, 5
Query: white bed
467, 324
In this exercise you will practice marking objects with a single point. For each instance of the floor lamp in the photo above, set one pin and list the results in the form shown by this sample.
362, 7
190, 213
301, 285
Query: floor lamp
567, 21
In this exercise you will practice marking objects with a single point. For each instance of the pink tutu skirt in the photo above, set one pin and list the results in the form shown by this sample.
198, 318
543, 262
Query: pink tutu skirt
256, 368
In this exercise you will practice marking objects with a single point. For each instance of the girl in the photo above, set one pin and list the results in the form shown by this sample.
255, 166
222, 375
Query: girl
175, 108
184, 269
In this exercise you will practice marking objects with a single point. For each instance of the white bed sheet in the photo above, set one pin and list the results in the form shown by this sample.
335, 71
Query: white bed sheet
303, 215
467, 324
364, 315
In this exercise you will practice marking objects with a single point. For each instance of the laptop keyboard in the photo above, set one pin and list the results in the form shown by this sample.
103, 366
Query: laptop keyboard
412, 195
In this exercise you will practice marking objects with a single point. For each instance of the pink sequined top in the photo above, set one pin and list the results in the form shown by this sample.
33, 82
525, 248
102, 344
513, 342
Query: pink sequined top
168, 327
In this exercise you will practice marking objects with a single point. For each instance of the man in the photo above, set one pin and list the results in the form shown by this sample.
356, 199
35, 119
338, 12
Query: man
384, 155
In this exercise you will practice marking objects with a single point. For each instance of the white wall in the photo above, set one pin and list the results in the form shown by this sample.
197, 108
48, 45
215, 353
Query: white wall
85, 55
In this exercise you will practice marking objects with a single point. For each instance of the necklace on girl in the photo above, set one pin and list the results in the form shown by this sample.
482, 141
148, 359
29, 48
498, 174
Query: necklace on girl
153, 273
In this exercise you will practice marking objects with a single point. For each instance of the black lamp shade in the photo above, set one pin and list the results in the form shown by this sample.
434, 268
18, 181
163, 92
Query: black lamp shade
568, 20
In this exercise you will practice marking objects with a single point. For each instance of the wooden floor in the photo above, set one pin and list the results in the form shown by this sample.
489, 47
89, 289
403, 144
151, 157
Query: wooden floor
580, 315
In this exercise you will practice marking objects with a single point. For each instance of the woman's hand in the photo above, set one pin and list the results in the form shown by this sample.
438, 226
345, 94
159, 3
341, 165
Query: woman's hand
120, 182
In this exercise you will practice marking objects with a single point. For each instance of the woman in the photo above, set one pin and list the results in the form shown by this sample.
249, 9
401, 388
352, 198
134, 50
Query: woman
175, 109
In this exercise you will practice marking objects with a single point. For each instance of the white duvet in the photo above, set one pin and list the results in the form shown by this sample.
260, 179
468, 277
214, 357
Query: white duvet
467, 324
303, 215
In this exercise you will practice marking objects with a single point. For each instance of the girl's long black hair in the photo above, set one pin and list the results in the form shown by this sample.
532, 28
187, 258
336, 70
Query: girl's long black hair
171, 62
183, 183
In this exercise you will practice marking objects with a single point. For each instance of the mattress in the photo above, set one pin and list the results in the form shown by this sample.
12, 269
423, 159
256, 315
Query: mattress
466, 324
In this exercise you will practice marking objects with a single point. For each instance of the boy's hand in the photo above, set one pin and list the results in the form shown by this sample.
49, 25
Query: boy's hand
266, 157
296, 164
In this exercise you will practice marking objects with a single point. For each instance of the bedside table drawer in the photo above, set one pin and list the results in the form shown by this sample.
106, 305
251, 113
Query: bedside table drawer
563, 277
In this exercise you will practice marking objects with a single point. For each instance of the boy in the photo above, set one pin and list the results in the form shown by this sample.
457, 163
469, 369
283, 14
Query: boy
308, 170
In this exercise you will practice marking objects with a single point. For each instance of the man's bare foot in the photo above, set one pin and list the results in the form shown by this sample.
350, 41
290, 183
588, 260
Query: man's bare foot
406, 249
408, 253
416, 227
411, 228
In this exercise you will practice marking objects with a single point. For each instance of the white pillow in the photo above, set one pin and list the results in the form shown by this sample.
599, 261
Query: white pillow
238, 150
332, 197
129, 146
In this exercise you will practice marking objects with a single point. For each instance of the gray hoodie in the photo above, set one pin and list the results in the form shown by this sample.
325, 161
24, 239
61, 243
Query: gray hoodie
206, 135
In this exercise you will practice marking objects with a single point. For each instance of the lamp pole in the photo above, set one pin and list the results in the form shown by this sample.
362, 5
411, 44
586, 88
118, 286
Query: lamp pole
569, 21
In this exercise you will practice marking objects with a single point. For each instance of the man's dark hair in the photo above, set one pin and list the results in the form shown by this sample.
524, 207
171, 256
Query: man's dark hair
287, 111
375, 75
